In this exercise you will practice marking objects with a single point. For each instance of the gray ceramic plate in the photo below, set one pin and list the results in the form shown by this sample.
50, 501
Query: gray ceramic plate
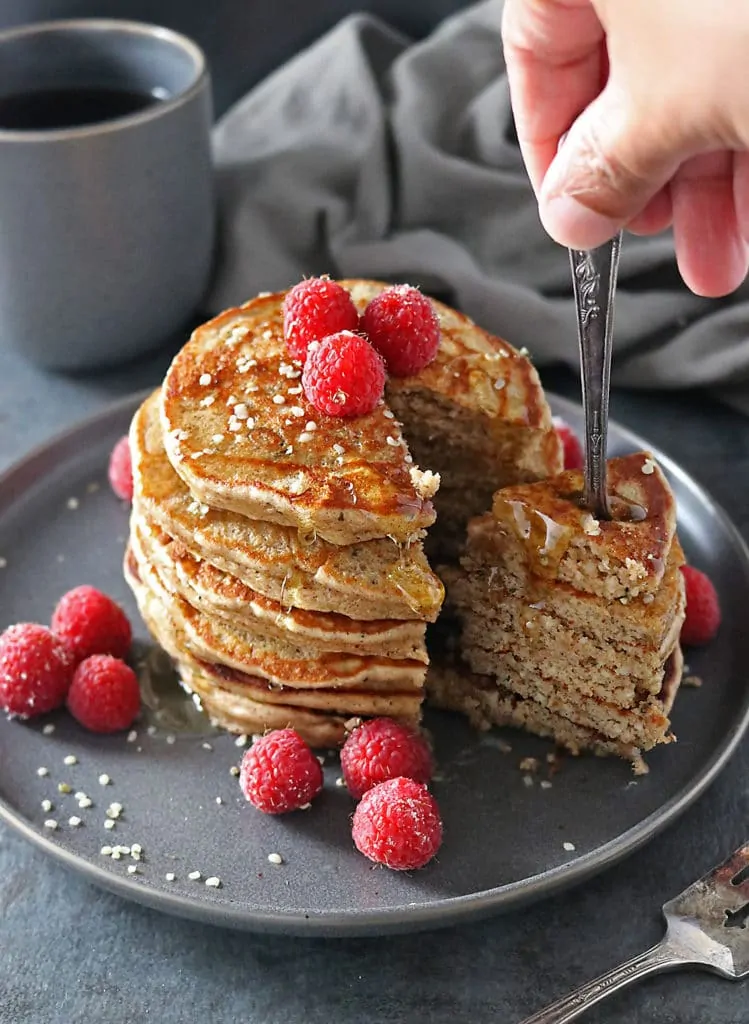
504, 840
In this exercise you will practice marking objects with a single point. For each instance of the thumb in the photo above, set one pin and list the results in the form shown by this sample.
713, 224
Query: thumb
610, 164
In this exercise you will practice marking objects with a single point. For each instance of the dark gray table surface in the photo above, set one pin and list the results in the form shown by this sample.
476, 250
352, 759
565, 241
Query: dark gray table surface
70, 954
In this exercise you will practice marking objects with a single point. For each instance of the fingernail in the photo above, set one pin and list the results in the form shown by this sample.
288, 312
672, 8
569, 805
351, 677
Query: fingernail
577, 226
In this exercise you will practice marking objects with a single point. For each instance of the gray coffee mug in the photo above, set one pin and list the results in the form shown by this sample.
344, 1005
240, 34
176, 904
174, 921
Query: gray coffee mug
106, 230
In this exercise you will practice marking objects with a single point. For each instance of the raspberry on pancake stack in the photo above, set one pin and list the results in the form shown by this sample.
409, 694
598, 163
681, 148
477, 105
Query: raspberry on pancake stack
276, 550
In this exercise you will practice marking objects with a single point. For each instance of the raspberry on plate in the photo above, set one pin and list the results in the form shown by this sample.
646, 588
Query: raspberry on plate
343, 376
312, 310
383, 749
104, 695
91, 623
121, 470
403, 326
398, 823
571, 446
703, 608
279, 773
36, 668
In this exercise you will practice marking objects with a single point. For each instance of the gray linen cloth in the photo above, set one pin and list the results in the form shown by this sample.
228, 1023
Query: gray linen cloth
370, 156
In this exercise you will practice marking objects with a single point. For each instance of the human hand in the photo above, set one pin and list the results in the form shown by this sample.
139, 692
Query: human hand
653, 95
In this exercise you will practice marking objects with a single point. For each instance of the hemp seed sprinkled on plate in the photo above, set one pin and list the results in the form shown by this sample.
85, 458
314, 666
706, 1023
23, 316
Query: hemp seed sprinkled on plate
275, 858
114, 810
241, 741
72, 504
110, 823
132, 736
70, 760
170, 876
51, 824
106, 851
213, 882
48, 729
63, 787
569, 847
47, 806
74, 821
234, 770
194, 876
42, 772
132, 869
104, 780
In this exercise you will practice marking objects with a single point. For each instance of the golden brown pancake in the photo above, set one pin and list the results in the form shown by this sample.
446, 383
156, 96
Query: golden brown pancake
377, 579
479, 403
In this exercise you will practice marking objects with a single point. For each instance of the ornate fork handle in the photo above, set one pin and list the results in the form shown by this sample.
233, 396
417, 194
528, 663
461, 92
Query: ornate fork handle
594, 282
654, 961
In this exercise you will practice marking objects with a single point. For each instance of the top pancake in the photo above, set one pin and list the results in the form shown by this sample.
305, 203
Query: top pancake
618, 559
344, 480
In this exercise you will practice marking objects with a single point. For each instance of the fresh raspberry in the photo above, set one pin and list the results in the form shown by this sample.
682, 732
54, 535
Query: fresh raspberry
104, 695
397, 823
280, 773
35, 670
91, 623
312, 310
573, 450
703, 608
343, 376
382, 749
403, 326
121, 470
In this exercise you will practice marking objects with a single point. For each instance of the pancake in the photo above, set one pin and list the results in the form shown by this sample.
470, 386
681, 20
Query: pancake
578, 617
242, 703
479, 404
279, 662
620, 559
378, 579
220, 595
241, 714
453, 687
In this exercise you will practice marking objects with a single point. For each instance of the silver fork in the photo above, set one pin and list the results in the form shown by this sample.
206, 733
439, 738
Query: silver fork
594, 273
707, 926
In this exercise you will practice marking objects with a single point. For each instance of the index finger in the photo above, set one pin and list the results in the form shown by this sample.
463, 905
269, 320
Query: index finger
556, 65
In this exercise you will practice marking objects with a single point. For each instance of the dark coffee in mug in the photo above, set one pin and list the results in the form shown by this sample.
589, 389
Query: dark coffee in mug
50, 109
106, 189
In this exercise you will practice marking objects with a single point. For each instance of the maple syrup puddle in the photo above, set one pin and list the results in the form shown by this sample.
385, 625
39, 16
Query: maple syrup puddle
165, 703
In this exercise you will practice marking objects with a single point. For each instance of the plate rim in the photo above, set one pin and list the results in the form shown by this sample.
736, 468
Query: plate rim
438, 912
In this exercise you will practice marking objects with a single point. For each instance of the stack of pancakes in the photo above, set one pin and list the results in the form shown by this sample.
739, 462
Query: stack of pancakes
570, 625
277, 554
